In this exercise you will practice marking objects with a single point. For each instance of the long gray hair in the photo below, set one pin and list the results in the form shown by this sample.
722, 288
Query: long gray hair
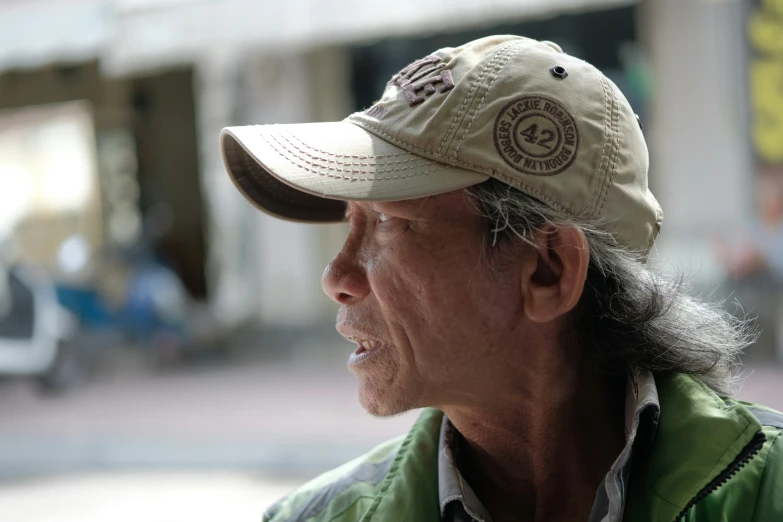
635, 318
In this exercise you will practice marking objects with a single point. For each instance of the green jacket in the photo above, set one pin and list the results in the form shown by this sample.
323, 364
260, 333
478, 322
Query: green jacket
712, 459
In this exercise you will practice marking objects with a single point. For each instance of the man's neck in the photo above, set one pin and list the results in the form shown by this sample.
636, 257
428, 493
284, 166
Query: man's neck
524, 458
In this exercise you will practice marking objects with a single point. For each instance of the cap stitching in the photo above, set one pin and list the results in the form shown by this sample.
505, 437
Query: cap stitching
478, 168
506, 56
605, 150
616, 139
305, 157
476, 83
417, 158
397, 154
464, 103
352, 178
604, 156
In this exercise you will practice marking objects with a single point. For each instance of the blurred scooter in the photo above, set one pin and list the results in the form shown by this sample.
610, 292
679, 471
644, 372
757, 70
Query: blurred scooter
36, 333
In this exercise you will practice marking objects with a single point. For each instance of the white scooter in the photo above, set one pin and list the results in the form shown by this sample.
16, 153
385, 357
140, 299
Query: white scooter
35, 331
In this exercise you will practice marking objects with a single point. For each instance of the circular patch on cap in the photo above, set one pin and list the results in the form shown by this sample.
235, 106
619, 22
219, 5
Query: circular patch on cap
536, 135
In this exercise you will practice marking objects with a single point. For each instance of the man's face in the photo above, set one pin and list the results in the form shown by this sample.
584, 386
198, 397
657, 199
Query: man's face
414, 282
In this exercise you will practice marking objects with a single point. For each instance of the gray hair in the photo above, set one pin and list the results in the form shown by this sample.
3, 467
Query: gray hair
635, 318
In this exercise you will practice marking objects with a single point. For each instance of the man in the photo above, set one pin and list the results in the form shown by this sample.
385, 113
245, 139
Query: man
494, 274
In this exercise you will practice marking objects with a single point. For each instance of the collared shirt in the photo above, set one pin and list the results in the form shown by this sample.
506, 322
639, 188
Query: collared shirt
459, 503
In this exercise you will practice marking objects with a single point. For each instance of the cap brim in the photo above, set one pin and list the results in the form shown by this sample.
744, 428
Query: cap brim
306, 172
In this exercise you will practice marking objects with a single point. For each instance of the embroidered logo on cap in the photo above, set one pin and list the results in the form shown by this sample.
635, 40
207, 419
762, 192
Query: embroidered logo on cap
377, 112
414, 79
536, 135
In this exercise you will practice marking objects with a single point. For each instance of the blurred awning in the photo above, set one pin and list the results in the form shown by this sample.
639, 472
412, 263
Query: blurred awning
36, 33
154, 33
128, 35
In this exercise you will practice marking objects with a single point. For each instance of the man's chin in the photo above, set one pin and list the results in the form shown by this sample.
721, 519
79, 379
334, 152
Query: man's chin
383, 404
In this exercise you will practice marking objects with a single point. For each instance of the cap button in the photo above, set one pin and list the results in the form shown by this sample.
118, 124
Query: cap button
553, 45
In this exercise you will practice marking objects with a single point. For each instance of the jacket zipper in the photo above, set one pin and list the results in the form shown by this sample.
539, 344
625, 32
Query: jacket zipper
745, 456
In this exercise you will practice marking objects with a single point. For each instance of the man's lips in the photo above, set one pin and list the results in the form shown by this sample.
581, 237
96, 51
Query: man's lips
366, 346
366, 342
365, 350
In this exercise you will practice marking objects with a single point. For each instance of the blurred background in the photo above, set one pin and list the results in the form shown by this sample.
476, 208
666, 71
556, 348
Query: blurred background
166, 351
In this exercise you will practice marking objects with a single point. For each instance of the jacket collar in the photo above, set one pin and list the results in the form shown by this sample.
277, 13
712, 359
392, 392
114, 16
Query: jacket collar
641, 419
412, 483
699, 434
410, 490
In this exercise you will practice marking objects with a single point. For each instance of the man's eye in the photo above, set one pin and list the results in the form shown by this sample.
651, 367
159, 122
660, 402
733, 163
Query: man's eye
382, 217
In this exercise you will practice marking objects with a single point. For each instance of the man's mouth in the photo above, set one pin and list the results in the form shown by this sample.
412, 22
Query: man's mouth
366, 346
364, 351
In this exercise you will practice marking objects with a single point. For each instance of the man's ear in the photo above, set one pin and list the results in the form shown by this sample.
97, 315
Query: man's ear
553, 276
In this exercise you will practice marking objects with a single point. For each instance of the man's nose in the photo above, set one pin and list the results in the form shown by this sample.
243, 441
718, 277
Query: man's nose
345, 279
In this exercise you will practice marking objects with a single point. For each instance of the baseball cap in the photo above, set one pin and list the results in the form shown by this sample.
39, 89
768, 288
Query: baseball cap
505, 107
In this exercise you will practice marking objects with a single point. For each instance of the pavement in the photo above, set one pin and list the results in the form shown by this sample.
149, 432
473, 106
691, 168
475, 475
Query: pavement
213, 441
285, 416
763, 383
151, 496
297, 416
219, 439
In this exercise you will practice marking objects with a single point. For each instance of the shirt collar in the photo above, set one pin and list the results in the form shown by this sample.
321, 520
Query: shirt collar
451, 486
642, 410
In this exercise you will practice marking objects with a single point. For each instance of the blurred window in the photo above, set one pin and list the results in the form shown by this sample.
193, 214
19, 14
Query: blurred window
47, 158
49, 187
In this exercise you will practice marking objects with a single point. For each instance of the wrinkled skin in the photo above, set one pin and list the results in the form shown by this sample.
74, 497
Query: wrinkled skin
480, 339
419, 283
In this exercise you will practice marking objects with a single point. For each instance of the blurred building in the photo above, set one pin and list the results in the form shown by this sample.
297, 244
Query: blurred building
158, 79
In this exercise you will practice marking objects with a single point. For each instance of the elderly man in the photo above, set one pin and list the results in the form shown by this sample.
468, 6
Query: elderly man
494, 275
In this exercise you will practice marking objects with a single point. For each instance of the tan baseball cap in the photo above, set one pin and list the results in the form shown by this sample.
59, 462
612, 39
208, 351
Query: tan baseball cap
505, 107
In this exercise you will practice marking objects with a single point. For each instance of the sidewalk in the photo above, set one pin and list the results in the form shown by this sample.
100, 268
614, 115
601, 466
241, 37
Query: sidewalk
142, 496
283, 416
295, 416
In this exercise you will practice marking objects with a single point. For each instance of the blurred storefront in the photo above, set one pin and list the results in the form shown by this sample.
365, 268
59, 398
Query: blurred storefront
765, 36
163, 77
697, 128
97, 153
